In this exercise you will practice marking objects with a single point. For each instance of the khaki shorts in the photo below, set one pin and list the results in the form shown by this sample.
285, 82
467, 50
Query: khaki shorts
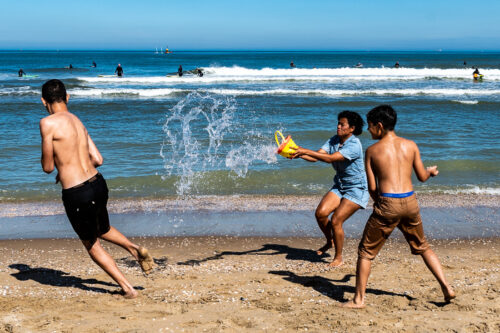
389, 213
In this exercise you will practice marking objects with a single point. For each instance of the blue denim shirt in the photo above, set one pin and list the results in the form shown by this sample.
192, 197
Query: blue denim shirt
351, 172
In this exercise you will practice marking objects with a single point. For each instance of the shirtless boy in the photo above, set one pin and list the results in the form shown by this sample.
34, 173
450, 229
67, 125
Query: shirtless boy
389, 164
67, 145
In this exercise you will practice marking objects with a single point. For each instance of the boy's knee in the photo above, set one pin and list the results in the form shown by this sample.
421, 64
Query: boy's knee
89, 244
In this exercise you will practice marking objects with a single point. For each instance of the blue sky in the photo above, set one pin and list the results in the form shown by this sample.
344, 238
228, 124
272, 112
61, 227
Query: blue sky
251, 25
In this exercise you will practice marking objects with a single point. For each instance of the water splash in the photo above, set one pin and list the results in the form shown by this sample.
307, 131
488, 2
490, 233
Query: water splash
194, 131
239, 159
203, 133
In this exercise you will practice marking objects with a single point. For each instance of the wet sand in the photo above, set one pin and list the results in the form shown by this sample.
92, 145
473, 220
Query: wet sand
235, 203
236, 284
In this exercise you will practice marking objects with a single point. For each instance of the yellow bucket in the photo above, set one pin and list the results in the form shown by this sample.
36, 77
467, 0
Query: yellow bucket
286, 147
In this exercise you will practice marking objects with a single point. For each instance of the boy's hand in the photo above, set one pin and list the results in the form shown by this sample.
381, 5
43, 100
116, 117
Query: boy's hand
433, 170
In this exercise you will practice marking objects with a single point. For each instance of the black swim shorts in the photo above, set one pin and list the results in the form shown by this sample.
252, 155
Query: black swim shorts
85, 206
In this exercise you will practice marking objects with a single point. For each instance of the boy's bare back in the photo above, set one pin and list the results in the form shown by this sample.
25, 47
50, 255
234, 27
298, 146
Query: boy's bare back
65, 138
389, 164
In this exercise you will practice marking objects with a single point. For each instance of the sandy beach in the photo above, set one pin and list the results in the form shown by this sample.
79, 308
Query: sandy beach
239, 284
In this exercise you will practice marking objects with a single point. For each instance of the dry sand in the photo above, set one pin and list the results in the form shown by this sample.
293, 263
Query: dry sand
231, 284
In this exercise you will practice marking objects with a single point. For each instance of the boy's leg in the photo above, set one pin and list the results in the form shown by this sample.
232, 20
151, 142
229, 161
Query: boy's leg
106, 262
116, 237
377, 230
328, 204
432, 262
340, 215
413, 230
140, 253
363, 270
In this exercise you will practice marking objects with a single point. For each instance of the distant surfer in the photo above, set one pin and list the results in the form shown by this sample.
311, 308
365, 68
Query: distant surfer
465, 63
396, 65
21, 73
292, 64
94, 64
359, 65
70, 66
119, 70
476, 75
179, 71
199, 72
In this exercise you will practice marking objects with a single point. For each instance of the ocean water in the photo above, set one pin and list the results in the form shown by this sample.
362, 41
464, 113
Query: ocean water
161, 135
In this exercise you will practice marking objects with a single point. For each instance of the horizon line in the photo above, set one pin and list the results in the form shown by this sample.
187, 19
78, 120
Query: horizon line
251, 50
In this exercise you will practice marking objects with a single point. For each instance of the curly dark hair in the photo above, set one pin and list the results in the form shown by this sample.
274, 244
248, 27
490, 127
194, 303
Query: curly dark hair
354, 120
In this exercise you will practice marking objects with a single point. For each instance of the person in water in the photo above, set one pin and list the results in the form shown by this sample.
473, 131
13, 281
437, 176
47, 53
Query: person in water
179, 70
350, 190
396, 65
94, 64
21, 73
476, 74
67, 145
389, 164
70, 66
119, 70
199, 72
292, 64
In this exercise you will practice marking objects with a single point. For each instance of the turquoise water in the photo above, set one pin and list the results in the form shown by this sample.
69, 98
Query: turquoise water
163, 136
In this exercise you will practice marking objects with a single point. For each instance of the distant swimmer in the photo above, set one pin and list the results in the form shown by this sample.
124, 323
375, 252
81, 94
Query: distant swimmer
199, 72
292, 64
70, 66
179, 71
94, 64
21, 72
119, 70
465, 63
359, 65
396, 65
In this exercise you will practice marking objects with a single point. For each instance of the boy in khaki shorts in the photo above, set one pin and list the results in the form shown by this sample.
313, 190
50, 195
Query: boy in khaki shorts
389, 164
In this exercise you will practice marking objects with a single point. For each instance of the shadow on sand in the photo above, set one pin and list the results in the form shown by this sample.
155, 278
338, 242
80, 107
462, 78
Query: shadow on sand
326, 286
56, 278
266, 250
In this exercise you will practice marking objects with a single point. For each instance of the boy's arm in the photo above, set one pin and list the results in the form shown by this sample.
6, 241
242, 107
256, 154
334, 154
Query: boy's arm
47, 135
320, 155
95, 155
370, 177
421, 171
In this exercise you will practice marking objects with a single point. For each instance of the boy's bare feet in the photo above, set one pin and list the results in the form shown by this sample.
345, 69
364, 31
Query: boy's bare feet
145, 260
449, 294
352, 305
129, 294
336, 263
322, 250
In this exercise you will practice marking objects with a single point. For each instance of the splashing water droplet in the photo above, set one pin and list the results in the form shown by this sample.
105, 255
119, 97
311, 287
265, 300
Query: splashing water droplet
202, 135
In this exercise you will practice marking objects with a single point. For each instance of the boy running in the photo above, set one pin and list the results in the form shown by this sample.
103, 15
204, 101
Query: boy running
67, 145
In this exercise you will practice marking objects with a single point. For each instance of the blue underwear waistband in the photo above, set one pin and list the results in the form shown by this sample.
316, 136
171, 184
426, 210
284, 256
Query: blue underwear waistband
397, 195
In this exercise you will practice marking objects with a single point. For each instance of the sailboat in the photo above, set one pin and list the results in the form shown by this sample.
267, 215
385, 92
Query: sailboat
156, 52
